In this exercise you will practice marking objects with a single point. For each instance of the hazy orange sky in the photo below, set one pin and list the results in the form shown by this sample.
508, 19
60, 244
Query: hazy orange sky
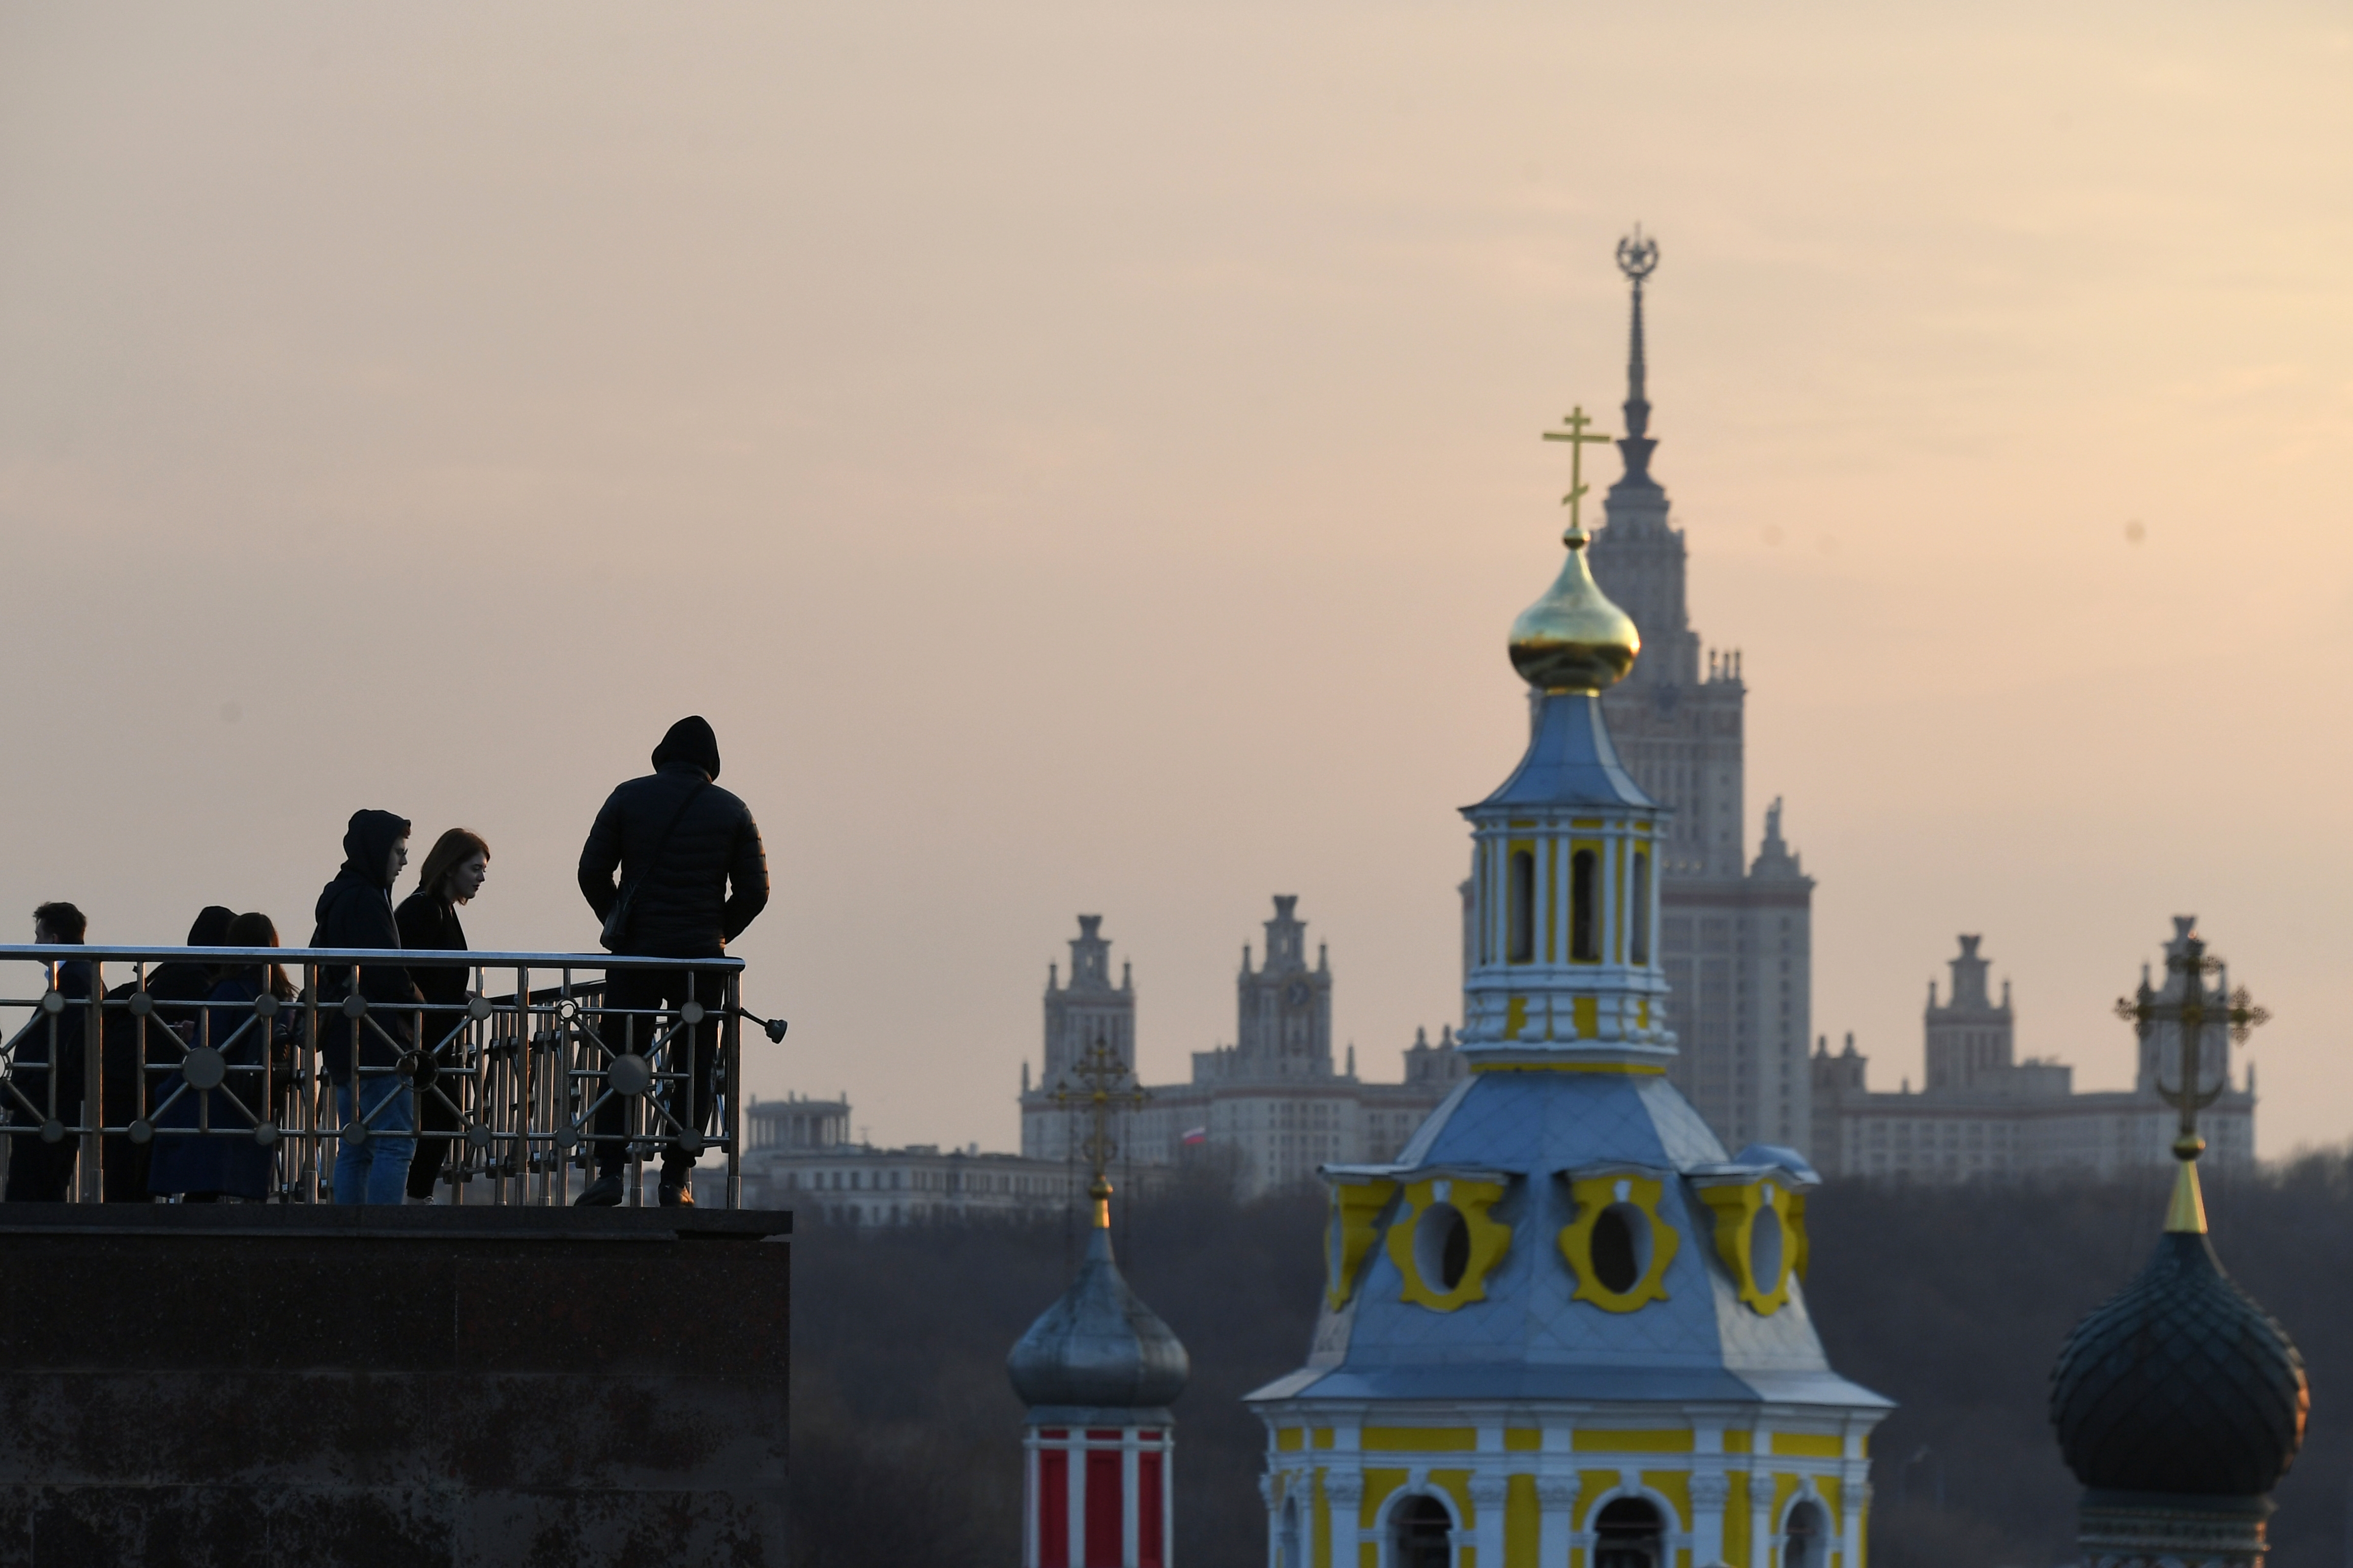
1083, 457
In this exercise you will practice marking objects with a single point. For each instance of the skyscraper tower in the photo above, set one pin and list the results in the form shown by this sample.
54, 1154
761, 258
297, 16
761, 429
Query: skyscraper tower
1735, 934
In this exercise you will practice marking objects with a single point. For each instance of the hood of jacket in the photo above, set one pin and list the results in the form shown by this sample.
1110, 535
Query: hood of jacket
690, 740
367, 846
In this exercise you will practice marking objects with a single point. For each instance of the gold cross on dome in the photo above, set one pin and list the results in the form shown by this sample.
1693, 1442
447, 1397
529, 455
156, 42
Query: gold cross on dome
1577, 440
1105, 1087
2197, 1009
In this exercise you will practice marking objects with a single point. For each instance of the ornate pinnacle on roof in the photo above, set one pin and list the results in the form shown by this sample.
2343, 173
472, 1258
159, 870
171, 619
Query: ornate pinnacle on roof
1106, 1086
2197, 1008
1638, 258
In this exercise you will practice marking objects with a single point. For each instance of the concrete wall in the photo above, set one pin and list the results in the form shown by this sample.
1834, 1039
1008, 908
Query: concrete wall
363, 1387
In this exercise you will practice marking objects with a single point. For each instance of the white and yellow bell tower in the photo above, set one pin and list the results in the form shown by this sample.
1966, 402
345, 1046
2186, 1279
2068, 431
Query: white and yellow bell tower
1562, 1329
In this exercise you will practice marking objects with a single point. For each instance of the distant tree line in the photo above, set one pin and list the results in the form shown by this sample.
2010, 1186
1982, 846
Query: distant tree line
1953, 1300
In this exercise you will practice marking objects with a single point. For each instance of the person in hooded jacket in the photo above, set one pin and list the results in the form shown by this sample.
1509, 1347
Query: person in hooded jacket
40, 1172
453, 872
363, 1055
694, 875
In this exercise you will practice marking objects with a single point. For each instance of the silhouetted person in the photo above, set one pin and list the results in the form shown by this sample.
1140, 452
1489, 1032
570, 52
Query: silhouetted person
227, 1162
373, 1101
174, 986
452, 874
40, 1172
693, 875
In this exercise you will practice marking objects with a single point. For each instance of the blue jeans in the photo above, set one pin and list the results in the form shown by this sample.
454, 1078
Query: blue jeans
377, 1171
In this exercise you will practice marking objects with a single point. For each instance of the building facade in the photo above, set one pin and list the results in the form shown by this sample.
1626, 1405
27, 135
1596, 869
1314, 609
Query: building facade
800, 1156
1735, 932
1981, 1113
1275, 1103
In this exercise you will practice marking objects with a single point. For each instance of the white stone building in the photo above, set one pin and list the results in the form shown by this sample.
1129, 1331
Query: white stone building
800, 1156
1273, 1102
1981, 1113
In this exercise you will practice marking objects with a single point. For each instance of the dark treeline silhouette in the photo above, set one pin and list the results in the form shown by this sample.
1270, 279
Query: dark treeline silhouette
907, 1437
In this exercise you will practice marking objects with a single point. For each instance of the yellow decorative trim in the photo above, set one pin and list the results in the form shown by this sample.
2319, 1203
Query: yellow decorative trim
1489, 1239
1523, 1522
1737, 1210
1290, 1440
1600, 1440
1586, 1011
1515, 1017
1350, 1229
1523, 1439
1631, 1069
1809, 1445
1592, 1195
1420, 1440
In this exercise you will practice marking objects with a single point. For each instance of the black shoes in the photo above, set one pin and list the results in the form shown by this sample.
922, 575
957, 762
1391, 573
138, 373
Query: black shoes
604, 1192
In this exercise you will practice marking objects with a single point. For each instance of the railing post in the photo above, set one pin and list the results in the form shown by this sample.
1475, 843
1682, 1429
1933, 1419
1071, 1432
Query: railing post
734, 1035
306, 1086
92, 1184
519, 1070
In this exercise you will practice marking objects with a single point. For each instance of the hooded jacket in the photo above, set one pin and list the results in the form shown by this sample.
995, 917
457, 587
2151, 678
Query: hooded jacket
712, 880
355, 911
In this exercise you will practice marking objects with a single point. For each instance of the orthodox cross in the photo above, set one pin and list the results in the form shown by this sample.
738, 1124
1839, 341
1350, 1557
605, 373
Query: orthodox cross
1578, 439
1105, 1088
2197, 1008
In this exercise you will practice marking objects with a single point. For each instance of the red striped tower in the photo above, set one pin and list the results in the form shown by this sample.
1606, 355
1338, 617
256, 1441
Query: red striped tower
1098, 1371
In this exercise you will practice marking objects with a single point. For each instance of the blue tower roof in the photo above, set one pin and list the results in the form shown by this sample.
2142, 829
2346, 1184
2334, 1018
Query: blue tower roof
1570, 761
1529, 1338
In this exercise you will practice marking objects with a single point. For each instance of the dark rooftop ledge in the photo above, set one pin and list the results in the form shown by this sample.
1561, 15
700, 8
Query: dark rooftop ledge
472, 1222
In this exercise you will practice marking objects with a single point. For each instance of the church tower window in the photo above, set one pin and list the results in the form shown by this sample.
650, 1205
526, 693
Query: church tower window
1808, 1543
1520, 938
1626, 1534
1419, 1538
1639, 910
1584, 929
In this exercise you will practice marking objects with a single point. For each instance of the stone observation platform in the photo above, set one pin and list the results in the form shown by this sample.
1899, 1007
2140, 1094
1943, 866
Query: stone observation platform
251, 1383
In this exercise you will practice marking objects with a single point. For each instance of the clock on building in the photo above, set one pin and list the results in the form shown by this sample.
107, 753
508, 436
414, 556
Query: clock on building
1296, 994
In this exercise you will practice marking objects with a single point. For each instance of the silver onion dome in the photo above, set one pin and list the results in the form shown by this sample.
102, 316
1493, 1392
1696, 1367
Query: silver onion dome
1099, 1348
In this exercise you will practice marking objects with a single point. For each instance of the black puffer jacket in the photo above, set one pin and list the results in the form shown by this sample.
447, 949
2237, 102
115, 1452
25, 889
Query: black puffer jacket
712, 877
355, 911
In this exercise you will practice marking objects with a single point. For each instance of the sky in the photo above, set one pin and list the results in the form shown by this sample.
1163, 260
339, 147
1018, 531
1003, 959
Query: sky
1081, 457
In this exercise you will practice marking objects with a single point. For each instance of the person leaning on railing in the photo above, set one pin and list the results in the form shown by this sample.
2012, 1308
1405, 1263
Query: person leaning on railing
227, 1161
39, 1172
453, 872
693, 876
373, 1101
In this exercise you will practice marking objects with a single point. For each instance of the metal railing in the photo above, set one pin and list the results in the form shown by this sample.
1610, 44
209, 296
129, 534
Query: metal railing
525, 1085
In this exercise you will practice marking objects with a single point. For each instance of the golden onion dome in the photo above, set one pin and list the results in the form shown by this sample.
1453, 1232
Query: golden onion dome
1574, 639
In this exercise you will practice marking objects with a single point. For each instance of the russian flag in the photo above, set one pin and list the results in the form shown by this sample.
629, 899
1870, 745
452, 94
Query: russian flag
1197, 1135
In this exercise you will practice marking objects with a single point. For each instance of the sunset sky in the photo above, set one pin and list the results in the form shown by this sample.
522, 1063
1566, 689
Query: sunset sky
1083, 457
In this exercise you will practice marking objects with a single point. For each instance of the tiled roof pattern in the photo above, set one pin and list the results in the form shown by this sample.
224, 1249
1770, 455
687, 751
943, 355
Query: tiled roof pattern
2179, 1382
